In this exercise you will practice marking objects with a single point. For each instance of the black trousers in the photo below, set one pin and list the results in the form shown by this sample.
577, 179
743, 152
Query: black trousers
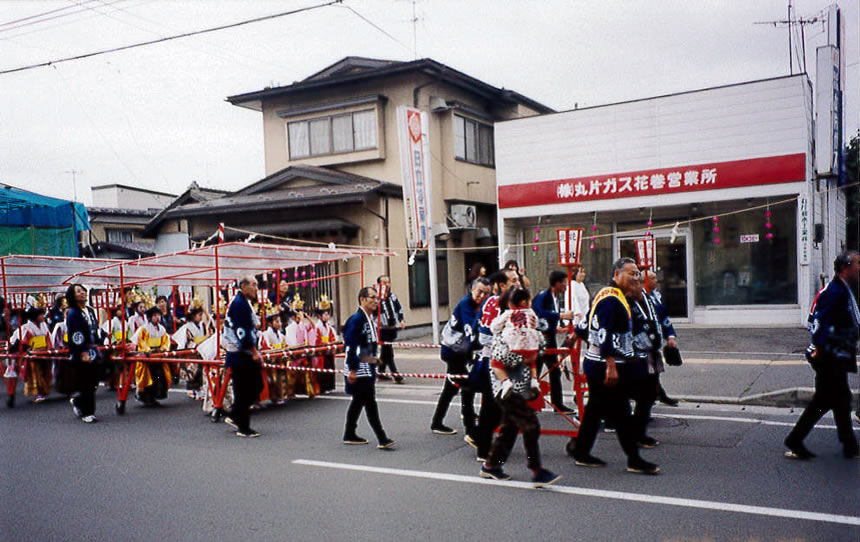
489, 417
555, 392
247, 385
517, 416
645, 396
831, 393
86, 382
608, 403
457, 366
363, 398
386, 359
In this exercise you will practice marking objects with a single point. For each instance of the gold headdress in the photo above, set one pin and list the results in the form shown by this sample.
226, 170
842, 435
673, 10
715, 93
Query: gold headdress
222, 308
297, 303
324, 303
196, 303
39, 302
272, 310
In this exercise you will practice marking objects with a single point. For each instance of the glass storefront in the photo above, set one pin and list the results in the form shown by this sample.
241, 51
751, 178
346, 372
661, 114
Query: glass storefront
746, 268
597, 262
743, 268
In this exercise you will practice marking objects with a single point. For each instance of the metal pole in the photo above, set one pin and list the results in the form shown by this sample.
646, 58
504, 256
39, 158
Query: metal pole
217, 304
434, 286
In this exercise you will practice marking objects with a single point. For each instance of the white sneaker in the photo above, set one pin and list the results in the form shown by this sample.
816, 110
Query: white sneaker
89, 419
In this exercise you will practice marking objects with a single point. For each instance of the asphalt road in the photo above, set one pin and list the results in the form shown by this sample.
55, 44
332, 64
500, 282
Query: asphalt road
169, 474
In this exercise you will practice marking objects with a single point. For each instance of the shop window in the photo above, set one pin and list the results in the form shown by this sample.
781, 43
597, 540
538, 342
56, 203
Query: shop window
332, 134
419, 279
756, 271
597, 262
473, 141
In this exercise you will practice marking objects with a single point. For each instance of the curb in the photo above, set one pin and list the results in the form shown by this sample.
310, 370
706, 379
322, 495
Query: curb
785, 398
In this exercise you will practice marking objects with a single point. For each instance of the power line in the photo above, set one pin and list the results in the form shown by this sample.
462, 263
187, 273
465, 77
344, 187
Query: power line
376, 26
80, 5
37, 15
169, 38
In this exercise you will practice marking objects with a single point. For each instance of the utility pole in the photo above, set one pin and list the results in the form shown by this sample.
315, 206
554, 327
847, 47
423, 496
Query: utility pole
74, 173
790, 23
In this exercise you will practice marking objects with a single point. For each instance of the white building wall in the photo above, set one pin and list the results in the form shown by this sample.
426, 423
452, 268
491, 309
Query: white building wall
129, 198
761, 119
754, 120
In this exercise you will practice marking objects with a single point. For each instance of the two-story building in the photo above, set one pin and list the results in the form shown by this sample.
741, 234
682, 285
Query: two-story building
333, 173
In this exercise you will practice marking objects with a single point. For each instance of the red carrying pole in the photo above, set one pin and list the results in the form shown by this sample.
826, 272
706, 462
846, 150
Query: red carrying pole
173, 306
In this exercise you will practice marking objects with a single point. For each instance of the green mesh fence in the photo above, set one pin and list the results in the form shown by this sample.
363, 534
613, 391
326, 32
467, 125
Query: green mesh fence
39, 241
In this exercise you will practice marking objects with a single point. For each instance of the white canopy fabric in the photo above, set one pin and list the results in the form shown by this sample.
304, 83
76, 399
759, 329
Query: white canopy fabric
207, 265
20, 274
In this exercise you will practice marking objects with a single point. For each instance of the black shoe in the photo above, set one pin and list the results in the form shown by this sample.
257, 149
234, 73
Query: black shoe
857, 416
668, 401
10, 402
850, 451
640, 466
398, 380
545, 478
570, 447
385, 444
588, 460
494, 474
470, 441
564, 409
796, 450
647, 442
442, 429
229, 421
250, 433
354, 440
75, 408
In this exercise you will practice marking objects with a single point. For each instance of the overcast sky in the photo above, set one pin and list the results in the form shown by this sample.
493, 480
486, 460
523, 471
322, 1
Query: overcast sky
156, 116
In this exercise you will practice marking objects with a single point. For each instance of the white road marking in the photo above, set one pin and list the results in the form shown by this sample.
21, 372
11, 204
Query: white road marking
588, 492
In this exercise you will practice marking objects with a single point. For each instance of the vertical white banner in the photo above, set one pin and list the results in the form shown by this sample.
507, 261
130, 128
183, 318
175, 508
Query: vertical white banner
803, 219
412, 129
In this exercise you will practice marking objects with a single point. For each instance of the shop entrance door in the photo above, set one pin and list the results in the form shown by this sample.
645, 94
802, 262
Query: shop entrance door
672, 263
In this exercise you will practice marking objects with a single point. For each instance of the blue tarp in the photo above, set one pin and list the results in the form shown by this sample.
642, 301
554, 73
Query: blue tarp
26, 215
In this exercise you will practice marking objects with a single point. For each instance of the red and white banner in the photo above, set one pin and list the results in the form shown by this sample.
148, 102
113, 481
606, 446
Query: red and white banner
645, 252
652, 182
569, 245
413, 129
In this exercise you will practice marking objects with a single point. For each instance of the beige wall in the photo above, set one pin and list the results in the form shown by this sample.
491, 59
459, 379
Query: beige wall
451, 179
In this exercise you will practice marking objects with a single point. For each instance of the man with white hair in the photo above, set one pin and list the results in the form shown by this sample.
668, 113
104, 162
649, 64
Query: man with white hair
243, 358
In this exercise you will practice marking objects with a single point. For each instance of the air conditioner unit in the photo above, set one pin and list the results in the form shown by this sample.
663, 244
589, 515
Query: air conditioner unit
463, 217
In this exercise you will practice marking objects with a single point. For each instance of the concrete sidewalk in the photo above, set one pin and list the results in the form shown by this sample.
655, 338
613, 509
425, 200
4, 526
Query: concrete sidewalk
753, 366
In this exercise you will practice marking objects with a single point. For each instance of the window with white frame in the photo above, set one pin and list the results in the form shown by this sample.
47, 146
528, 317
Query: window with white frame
473, 141
333, 134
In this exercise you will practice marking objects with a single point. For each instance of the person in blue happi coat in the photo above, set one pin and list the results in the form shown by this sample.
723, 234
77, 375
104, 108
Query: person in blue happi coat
833, 325
360, 346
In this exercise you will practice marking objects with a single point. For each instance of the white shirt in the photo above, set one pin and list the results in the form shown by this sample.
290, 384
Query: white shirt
580, 301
